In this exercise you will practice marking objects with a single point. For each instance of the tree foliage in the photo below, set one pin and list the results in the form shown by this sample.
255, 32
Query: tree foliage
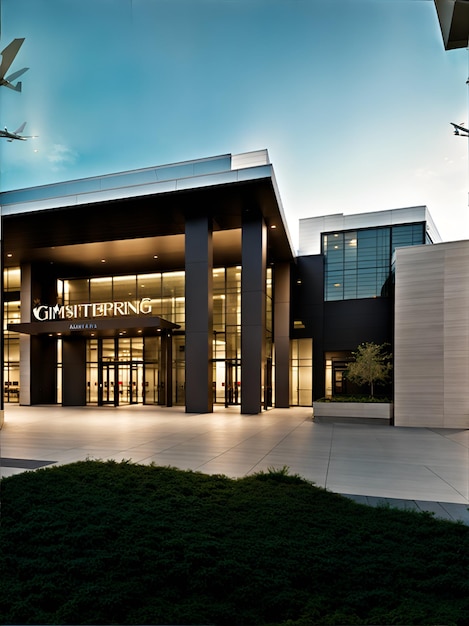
372, 365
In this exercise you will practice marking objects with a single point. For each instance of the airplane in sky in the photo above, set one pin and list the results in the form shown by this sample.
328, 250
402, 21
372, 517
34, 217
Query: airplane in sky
460, 130
10, 136
8, 56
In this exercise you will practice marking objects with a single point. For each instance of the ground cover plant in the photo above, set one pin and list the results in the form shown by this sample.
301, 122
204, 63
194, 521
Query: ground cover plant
117, 543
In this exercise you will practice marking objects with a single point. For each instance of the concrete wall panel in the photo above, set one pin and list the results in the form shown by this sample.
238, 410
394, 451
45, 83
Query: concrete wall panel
431, 351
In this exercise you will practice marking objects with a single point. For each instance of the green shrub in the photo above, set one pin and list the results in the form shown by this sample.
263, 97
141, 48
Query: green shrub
117, 543
355, 398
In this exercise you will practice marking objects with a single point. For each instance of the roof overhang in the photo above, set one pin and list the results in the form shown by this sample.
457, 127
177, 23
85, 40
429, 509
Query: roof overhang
127, 220
97, 327
453, 16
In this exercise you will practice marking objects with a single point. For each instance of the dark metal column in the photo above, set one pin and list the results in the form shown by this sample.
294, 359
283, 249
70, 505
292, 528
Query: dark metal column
73, 371
38, 355
2, 337
253, 295
282, 334
199, 315
166, 368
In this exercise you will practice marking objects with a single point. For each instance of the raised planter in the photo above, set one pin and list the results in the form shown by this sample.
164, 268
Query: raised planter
353, 412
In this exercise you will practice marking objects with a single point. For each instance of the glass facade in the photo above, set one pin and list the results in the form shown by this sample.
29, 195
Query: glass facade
11, 315
357, 263
301, 372
127, 370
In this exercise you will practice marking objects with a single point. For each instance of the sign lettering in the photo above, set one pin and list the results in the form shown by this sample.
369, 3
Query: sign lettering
44, 313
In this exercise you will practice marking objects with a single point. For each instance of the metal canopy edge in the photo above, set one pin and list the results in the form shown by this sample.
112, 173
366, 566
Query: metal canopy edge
98, 327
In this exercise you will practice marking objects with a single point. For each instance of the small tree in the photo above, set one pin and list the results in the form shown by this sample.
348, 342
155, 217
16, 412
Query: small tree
372, 365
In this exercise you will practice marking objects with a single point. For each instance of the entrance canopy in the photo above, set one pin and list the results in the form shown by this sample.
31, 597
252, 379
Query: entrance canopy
109, 327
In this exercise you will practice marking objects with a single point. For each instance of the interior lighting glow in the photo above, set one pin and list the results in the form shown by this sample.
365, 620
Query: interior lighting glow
119, 278
105, 279
149, 276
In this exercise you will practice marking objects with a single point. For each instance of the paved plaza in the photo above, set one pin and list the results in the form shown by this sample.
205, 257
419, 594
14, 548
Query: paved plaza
409, 467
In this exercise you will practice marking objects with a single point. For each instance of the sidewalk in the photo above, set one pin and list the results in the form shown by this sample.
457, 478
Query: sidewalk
414, 468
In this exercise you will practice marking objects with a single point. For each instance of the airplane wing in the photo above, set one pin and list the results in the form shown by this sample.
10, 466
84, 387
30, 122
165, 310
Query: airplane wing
459, 128
8, 55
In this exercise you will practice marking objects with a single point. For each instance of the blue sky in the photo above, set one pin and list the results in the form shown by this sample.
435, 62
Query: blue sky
352, 98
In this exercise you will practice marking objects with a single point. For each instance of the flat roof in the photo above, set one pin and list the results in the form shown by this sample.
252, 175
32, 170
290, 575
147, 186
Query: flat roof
311, 228
130, 215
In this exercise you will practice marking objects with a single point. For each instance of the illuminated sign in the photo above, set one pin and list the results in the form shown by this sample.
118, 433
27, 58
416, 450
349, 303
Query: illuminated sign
45, 313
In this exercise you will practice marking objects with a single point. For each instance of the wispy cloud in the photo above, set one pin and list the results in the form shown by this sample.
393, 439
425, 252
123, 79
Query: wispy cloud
62, 156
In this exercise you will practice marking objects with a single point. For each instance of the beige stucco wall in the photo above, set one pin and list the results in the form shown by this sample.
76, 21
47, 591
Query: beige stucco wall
431, 350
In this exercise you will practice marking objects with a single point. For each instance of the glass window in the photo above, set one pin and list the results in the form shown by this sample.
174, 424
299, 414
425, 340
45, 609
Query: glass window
357, 264
149, 286
12, 279
124, 288
76, 291
407, 235
100, 290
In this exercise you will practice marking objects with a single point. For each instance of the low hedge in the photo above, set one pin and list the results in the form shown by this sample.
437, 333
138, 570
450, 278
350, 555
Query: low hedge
117, 543
354, 399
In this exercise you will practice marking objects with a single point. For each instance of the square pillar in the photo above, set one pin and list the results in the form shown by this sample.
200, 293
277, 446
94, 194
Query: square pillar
2, 339
253, 296
282, 334
38, 355
73, 371
199, 314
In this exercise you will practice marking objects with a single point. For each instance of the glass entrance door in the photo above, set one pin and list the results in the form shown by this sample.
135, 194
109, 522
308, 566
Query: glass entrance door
131, 370
107, 389
121, 383
130, 382
232, 382
227, 381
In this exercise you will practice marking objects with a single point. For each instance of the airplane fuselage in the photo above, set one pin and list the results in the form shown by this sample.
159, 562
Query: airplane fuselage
11, 136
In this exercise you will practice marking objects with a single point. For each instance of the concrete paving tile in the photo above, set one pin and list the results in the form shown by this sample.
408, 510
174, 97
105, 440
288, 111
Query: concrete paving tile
402, 463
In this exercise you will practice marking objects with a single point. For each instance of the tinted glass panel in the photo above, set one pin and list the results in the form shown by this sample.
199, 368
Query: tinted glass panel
358, 263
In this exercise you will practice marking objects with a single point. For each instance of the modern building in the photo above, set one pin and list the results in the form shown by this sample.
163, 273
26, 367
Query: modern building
178, 285
345, 286
431, 345
153, 286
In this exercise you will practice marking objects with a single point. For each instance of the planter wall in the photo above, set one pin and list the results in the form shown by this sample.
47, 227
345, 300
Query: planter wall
353, 412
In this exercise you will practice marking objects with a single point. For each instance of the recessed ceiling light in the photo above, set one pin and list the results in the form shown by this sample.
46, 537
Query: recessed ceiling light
103, 260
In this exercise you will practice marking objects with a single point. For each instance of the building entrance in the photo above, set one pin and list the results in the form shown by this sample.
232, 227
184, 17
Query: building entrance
121, 383
227, 381
130, 370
